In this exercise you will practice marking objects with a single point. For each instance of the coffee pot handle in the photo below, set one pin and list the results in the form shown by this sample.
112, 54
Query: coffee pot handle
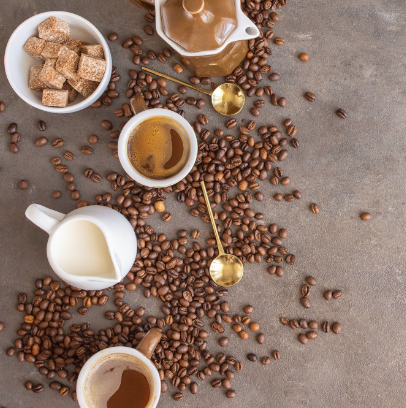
138, 104
43, 217
149, 342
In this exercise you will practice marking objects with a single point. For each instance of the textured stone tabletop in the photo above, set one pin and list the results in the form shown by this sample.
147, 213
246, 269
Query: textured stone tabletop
358, 63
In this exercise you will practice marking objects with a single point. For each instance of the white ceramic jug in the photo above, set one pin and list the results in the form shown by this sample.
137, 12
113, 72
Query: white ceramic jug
91, 248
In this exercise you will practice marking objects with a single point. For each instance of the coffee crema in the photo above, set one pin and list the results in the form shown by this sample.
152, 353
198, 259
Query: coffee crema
158, 147
118, 381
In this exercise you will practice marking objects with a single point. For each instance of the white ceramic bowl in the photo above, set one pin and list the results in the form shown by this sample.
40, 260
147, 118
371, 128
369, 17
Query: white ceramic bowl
18, 62
123, 148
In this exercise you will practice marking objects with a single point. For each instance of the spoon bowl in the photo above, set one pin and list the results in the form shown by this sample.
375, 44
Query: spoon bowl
228, 99
226, 270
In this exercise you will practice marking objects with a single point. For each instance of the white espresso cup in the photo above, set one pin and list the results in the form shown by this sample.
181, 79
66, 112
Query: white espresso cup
142, 356
143, 113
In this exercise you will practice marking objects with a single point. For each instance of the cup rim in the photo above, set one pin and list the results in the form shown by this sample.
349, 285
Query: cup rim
123, 143
118, 350
76, 106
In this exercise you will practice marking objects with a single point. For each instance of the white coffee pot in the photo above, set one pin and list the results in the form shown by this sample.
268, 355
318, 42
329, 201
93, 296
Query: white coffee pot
91, 248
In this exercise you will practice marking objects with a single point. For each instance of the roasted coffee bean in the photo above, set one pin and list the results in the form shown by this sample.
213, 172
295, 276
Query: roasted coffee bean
232, 123
23, 184
311, 97
166, 217
315, 208
10, 351
365, 216
276, 355
93, 139
57, 143
68, 156
294, 324
305, 302
311, 335
278, 197
38, 388
341, 113
42, 125
243, 335
313, 325
252, 357
230, 394
248, 309
14, 148
303, 323
1, 326
302, 338
29, 385
148, 30
261, 338
13, 127
336, 328
41, 141
223, 341
304, 57
328, 294
15, 137
200, 103
2, 106
106, 124
265, 360
61, 168
56, 194
64, 391
279, 41
113, 37
96, 178
326, 327
337, 294
178, 396
305, 291
274, 76
178, 68
311, 281
86, 150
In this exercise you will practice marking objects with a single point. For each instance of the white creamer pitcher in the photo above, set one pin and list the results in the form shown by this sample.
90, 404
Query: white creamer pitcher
91, 248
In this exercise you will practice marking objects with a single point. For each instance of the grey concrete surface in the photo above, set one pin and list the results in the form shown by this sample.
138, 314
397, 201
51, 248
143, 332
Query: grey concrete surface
357, 62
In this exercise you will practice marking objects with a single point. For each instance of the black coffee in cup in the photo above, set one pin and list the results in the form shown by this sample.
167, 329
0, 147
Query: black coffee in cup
118, 381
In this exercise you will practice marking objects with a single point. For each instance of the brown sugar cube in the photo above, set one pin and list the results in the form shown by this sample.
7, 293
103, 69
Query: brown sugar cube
72, 93
50, 76
34, 46
52, 50
83, 86
67, 64
92, 50
91, 68
55, 97
34, 82
54, 29
74, 45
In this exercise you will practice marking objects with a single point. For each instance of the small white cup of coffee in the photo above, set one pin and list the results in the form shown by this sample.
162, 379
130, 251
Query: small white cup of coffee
121, 376
127, 149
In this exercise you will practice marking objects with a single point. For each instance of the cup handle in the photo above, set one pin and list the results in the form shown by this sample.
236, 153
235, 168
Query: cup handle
149, 343
138, 104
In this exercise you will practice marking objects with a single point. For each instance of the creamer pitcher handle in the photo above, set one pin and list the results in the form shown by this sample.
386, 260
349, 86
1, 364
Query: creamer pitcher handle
149, 342
138, 104
43, 217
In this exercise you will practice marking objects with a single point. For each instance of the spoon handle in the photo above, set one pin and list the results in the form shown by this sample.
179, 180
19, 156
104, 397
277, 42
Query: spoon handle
196, 88
213, 223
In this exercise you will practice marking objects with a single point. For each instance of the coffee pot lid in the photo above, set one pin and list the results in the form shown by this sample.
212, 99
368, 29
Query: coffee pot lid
199, 25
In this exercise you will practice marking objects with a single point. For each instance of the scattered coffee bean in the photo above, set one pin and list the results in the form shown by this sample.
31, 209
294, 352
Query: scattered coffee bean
2, 106
261, 338
243, 335
248, 309
86, 150
57, 143
56, 194
328, 294
13, 127
305, 302
178, 396
279, 41
336, 328
311, 335
303, 323
42, 126
302, 338
252, 357
311, 97
148, 30
326, 327
365, 216
166, 217
313, 325
178, 68
23, 184
41, 141
315, 208
29, 385
113, 37
337, 294
311, 281
304, 57
106, 124
276, 355
15, 137
305, 291
230, 394
341, 113
223, 341
1, 326
38, 388
93, 139
14, 148
159, 206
